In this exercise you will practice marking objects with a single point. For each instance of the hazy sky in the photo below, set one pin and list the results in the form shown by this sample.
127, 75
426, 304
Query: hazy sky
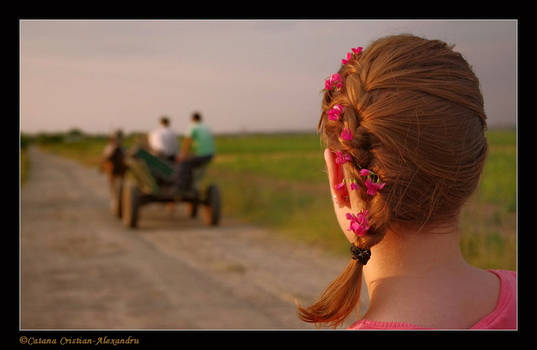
242, 75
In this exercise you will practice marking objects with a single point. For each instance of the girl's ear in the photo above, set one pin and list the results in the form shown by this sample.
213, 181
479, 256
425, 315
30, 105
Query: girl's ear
335, 177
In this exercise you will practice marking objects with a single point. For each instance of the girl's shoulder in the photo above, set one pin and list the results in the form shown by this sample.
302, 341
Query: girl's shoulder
504, 315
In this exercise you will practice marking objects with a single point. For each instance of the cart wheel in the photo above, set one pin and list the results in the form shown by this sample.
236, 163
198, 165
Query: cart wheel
130, 203
117, 198
211, 207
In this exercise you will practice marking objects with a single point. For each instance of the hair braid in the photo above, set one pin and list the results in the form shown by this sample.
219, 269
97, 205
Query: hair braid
356, 97
342, 295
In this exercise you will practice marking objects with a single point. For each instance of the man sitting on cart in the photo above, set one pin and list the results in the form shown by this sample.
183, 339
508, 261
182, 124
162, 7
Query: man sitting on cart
197, 150
163, 141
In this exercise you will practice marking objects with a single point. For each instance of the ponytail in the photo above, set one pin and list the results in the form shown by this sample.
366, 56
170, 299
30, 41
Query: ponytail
338, 300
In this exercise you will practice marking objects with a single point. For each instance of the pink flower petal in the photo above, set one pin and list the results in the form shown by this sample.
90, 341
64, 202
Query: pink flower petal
362, 216
333, 116
365, 172
357, 50
340, 185
334, 112
334, 80
342, 157
347, 59
346, 134
354, 186
372, 187
359, 223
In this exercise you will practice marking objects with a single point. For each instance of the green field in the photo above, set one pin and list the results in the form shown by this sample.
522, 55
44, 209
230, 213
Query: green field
279, 181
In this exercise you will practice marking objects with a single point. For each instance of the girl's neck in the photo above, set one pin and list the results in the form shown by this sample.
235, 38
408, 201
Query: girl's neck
414, 254
412, 276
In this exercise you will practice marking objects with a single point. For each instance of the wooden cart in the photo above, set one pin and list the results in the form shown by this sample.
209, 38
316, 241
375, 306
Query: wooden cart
151, 179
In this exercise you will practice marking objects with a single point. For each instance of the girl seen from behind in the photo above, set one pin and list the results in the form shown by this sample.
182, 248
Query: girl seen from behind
403, 124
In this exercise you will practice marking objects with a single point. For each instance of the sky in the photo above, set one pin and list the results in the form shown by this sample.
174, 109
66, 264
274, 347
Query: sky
241, 75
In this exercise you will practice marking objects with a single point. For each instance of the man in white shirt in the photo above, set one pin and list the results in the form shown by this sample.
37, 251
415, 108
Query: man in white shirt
164, 141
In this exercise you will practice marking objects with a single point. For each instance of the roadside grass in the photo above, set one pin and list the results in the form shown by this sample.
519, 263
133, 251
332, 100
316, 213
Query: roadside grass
279, 181
87, 151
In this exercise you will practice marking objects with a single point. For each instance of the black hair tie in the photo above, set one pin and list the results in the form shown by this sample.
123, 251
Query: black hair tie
360, 254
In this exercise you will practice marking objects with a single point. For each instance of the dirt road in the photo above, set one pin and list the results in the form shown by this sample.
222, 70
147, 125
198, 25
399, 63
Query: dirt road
82, 269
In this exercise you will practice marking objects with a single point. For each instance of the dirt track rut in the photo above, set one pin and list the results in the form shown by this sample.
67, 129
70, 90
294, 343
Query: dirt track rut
82, 269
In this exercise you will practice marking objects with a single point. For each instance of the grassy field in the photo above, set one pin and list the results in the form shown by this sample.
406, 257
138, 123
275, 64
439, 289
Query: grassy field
279, 181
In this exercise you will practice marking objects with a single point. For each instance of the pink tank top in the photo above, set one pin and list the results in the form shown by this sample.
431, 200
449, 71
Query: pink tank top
504, 316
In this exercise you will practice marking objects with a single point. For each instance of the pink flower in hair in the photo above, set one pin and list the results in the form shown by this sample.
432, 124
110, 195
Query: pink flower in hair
345, 60
357, 50
342, 157
359, 223
373, 187
354, 186
334, 112
351, 55
365, 172
346, 134
334, 80
340, 185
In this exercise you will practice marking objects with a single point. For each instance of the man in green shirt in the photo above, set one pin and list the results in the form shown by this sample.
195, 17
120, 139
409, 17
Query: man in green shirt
197, 150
